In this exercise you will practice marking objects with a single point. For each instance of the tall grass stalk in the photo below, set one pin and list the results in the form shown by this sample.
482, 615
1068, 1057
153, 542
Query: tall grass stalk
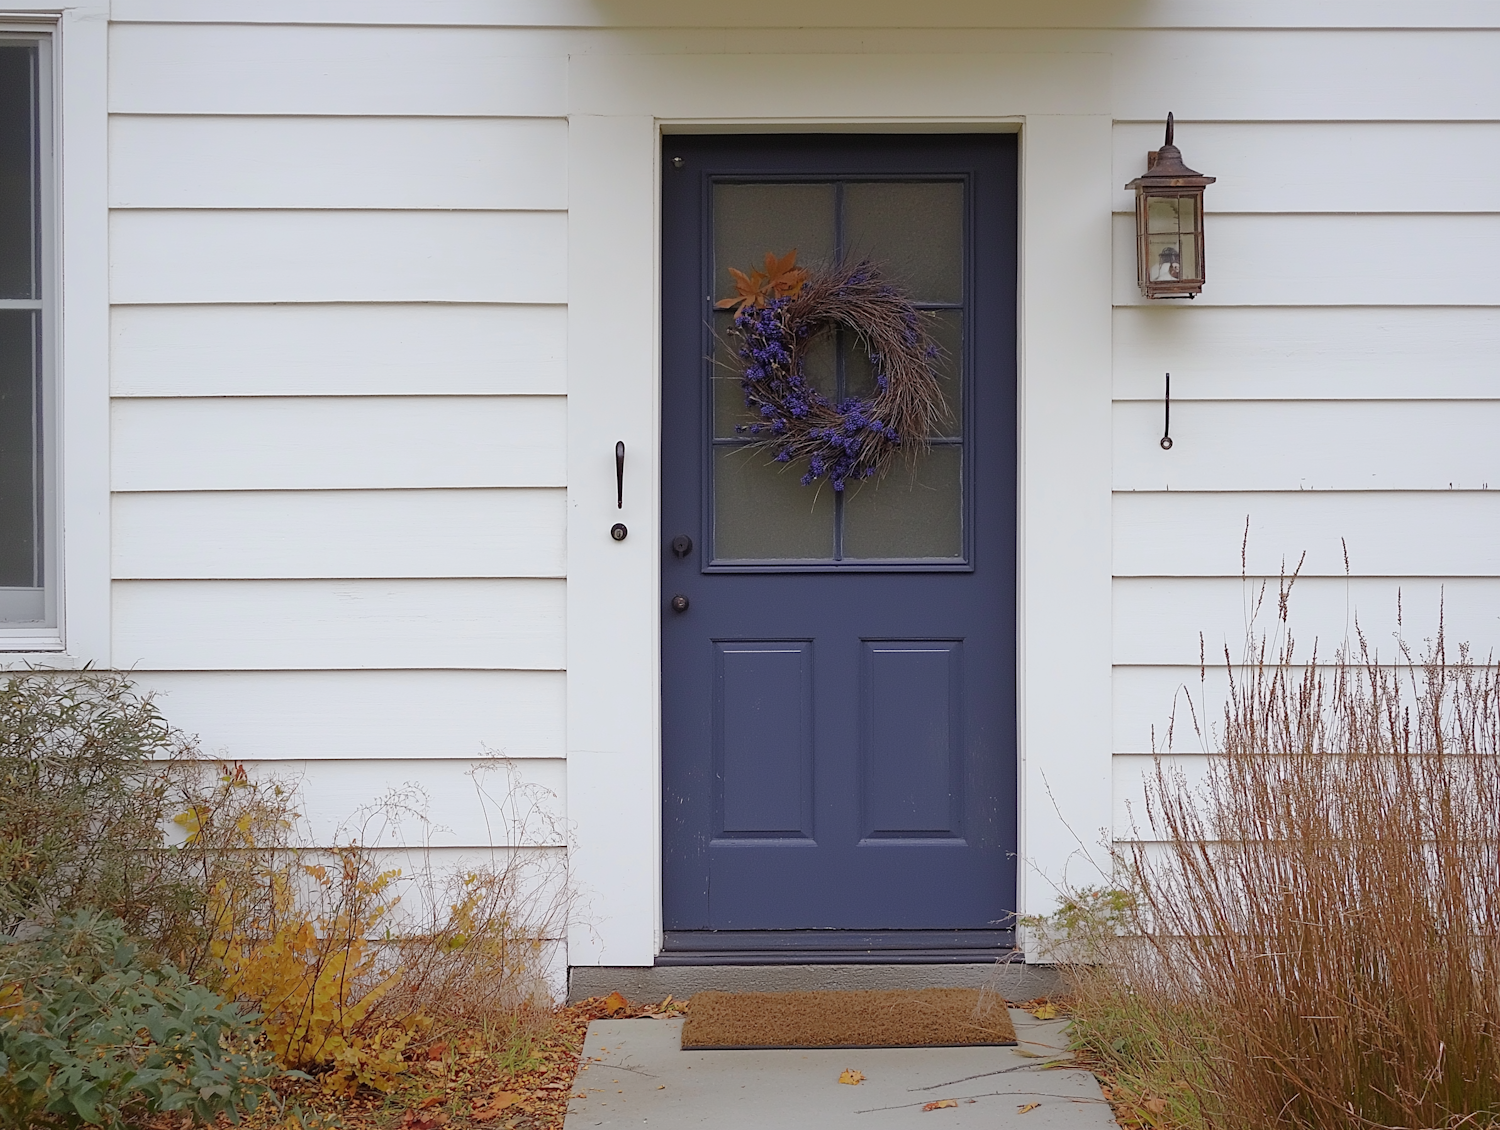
1318, 921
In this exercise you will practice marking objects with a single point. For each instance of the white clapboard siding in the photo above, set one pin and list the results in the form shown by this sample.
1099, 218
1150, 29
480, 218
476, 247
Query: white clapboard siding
1155, 707
159, 161
249, 443
1136, 776
1308, 445
1318, 353
442, 803
1302, 75
355, 533
331, 256
1329, 260
1222, 74
249, 69
1323, 166
1158, 621
332, 715
285, 625
834, 13
1387, 534
336, 350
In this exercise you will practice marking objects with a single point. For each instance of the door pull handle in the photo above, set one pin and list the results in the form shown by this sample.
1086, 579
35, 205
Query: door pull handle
679, 603
620, 475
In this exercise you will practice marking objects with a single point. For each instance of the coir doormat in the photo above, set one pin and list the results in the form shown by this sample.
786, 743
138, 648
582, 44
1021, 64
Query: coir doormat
882, 1019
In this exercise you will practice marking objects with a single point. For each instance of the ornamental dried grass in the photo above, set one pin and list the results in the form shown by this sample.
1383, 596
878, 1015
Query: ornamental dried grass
1319, 927
857, 438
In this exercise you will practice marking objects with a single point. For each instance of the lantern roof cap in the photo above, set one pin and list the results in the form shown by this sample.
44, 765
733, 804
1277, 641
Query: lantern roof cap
1168, 171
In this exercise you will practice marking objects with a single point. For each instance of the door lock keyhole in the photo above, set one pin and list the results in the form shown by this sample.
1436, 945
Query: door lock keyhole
682, 545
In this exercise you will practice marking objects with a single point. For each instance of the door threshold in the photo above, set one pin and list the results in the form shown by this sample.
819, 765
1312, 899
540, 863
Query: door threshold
841, 957
1009, 976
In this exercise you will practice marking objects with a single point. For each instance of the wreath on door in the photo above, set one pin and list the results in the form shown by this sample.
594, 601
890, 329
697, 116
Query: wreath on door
779, 312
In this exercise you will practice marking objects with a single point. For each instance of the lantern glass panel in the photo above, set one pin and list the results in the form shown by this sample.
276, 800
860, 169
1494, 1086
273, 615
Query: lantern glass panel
1169, 214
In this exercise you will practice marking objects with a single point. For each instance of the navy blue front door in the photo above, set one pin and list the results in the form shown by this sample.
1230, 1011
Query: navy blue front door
838, 668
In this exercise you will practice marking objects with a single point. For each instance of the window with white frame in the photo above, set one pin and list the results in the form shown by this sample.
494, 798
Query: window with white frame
29, 570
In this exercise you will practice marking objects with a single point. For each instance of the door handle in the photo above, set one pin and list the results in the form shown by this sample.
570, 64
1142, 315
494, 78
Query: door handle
679, 603
620, 475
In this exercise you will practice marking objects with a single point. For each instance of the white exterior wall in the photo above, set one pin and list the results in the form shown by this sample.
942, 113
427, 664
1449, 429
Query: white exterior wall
369, 358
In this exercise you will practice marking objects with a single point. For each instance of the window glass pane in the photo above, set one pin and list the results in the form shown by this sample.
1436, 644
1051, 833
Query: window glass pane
819, 366
762, 510
752, 219
20, 470
911, 513
947, 330
914, 231
19, 186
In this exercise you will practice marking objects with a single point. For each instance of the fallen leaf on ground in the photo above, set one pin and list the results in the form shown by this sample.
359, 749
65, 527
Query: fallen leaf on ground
852, 1077
430, 1100
1046, 1012
1027, 1107
1156, 1106
415, 1121
437, 1051
1028, 1054
496, 1105
940, 1104
615, 1004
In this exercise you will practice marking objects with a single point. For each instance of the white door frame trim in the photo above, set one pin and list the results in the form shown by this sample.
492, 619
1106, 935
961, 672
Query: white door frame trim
619, 109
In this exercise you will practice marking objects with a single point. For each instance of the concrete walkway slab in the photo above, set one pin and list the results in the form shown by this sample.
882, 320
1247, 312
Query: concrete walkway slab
635, 1073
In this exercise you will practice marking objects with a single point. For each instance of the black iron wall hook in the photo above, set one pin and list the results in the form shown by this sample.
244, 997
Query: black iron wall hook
1166, 425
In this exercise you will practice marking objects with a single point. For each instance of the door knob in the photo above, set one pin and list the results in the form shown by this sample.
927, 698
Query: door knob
679, 603
682, 545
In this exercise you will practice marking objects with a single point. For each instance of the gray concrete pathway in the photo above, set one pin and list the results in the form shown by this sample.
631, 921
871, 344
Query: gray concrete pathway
635, 1073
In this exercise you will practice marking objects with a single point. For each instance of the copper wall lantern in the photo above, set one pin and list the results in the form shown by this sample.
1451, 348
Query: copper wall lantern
1169, 224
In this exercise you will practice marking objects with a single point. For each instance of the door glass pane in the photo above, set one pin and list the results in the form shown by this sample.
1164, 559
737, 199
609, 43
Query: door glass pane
911, 513
820, 367
20, 470
946, 328
915, 231
762, 510
752, 219
19, 187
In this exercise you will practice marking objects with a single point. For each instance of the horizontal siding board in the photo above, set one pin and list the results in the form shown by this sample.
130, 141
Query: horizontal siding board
1158, 621
354, 256
1295, 75
1335, 260
438, 803
269, 69
1324, 166
1388, 534
1154, 707
311, 443
283, 625
340, 715
353, 534
830, 13
1319, 353
1135, 778
338, 162
1308, 445
337, 350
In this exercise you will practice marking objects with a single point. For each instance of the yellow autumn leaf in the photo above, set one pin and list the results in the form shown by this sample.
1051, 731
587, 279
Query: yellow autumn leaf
1047, 1011
941, 1104
852, 1077
1027, 1107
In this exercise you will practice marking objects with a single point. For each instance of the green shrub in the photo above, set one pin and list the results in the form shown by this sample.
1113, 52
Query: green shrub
88, 768
90, 1036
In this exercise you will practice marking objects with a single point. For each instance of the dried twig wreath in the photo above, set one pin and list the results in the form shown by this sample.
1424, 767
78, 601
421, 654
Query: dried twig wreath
781, 311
